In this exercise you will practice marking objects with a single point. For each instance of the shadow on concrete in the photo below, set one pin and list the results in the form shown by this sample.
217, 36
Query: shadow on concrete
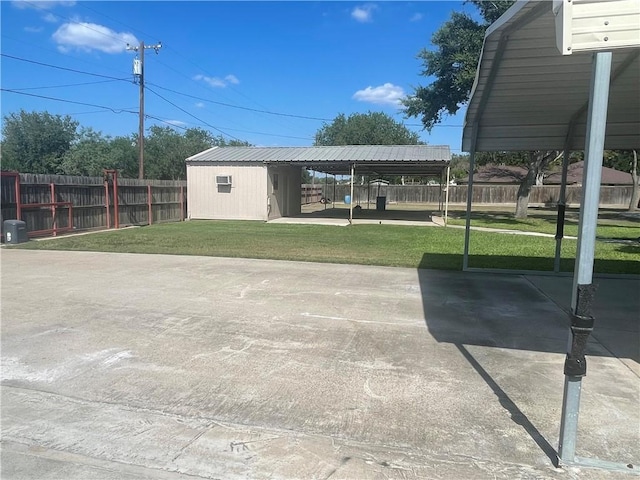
341, 211
491, 310
516, 414
524, 313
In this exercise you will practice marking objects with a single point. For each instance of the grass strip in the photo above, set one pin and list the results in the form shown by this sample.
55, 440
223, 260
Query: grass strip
386, 245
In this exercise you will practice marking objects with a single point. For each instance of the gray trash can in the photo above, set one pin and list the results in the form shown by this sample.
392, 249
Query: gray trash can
15, 231
381, 203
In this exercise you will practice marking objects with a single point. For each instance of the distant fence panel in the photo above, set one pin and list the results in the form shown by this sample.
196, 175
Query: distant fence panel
311, 193
166, 200
610, 196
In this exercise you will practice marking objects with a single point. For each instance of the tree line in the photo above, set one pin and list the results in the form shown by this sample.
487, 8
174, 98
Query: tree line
39, 142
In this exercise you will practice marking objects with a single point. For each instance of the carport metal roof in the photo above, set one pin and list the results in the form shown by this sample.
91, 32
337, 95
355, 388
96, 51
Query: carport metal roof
528, 96
368, 159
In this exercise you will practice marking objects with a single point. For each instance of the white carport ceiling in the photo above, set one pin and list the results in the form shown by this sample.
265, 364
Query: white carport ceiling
528, 96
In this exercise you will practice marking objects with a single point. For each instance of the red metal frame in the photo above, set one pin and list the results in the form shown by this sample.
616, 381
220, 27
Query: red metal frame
106, 203
54, 206
17, 192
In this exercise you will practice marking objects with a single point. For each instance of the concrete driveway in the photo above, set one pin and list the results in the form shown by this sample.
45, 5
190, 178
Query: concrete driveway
118, 366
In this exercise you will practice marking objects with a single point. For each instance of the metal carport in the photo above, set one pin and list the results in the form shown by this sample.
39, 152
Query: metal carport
561, 75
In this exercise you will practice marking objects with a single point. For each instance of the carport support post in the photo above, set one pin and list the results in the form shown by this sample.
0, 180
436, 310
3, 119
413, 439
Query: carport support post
467, 227
335, 179
583, 275
446, 197
353, 168
562, 206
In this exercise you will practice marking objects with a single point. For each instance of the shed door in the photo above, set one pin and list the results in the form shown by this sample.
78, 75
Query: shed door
275, 195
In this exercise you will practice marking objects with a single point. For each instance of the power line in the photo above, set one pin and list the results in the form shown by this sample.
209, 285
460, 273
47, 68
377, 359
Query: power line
114, 110
39, 47
89, 112
228, 128
166, 89
199, 67
240, 107
83, 5
434, 126
191, 115
67, 85
123, 110
83, 24
60, 68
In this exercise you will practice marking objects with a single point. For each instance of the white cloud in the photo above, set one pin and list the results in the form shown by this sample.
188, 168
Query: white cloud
216, 82
416, 17
176, 123
387, 94
33, 29
91, 36
199, 105
42, 5
363, 13
50, 17
232, 79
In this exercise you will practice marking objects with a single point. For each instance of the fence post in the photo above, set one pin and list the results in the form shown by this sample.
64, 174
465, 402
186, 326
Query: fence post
149, 204
54, 219
18, 199
116, 213
181, 203
107, 202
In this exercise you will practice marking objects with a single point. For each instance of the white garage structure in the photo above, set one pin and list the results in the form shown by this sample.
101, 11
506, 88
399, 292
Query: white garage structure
561, 75
263, 183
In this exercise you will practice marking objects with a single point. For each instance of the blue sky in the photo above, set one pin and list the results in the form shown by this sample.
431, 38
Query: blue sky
297, 59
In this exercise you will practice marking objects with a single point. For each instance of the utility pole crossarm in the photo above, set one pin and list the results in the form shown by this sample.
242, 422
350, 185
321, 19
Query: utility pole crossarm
139, 73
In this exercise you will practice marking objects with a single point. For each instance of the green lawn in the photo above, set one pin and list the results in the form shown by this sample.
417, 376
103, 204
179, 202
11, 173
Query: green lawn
389, 245
611, 224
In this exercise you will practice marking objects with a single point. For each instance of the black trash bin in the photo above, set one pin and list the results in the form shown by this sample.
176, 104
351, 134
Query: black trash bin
381, 203
15, 231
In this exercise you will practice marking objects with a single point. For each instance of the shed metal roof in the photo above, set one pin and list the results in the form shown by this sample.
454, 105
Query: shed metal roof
527, 95
369, 159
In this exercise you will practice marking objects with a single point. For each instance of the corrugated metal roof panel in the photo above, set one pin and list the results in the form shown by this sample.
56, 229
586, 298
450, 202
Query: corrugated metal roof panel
349, 153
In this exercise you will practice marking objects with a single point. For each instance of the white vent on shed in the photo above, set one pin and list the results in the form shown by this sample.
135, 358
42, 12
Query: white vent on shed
223, 179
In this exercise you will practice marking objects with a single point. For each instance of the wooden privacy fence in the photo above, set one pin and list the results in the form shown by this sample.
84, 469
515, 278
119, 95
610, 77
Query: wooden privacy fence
51, 204
610, 196
311, 193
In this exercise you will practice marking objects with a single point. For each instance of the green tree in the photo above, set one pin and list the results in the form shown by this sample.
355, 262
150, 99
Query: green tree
372, 128
626, 161
166, 150
36, 142
459, 166
93, 152
453, 64
124, 156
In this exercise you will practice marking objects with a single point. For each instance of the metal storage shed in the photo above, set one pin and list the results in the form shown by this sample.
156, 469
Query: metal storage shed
264, 182
562, 75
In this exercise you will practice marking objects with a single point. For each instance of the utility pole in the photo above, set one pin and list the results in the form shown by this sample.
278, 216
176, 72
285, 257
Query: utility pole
138, 72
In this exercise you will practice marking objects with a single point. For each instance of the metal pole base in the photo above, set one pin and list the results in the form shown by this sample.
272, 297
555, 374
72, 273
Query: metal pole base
601, 465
